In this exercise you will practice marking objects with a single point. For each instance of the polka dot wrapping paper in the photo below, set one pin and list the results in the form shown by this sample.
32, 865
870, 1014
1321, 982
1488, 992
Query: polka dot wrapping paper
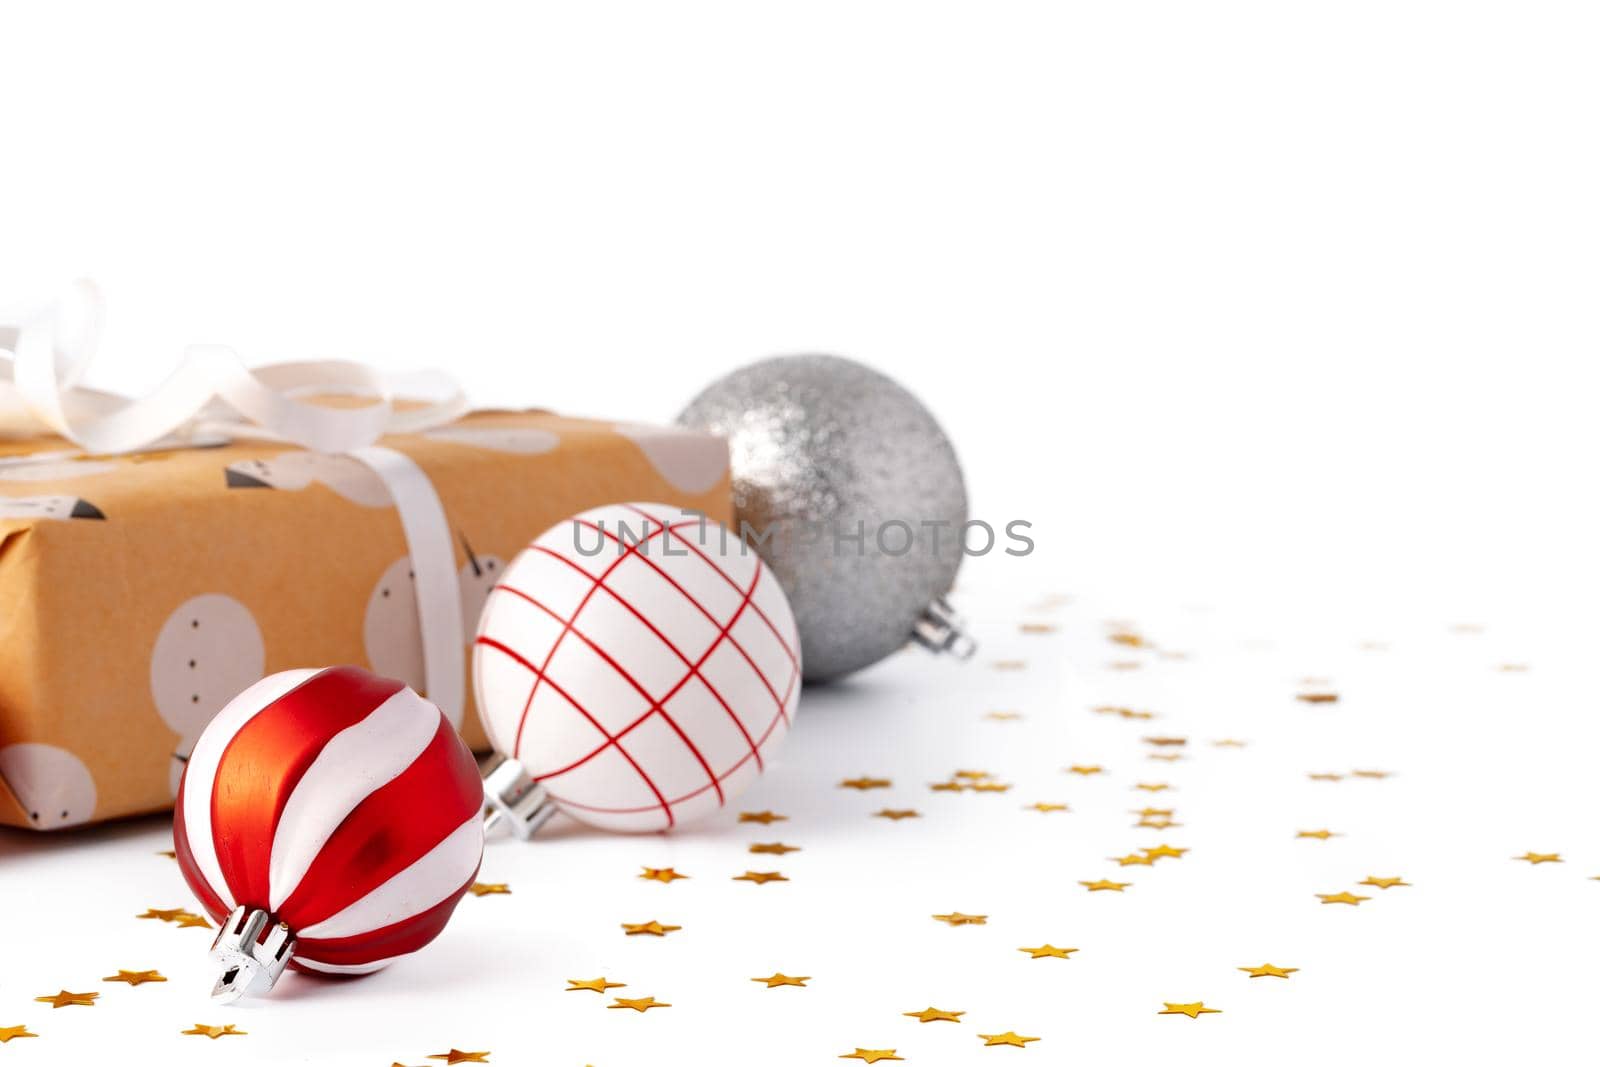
139, 593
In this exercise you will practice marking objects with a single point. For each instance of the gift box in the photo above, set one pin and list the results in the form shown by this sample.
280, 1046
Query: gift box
140, 592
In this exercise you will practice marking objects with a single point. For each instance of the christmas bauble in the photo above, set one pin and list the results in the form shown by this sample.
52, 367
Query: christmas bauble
852, 494
329, 821
637, 667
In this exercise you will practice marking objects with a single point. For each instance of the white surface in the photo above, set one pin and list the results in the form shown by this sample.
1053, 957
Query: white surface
1315, 279
1481, 957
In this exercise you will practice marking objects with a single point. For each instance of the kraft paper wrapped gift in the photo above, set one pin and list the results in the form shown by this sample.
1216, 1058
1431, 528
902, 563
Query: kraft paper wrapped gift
139, 593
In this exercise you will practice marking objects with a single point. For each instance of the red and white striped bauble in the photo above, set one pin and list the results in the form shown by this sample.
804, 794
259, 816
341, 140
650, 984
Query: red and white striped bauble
639, 664
343, 804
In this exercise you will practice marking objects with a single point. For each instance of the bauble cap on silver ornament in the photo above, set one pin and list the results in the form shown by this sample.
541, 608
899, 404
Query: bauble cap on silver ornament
852, 494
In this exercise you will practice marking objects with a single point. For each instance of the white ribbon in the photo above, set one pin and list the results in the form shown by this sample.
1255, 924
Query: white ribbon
45, 350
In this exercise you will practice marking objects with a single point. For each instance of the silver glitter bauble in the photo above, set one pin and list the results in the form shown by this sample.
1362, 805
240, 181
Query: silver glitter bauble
853, 496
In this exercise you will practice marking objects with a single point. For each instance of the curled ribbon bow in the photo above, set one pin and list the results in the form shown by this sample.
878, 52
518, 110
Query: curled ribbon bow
46, 349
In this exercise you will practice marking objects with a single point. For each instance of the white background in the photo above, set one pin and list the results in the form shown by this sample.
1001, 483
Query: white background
1279, 298
1272, 304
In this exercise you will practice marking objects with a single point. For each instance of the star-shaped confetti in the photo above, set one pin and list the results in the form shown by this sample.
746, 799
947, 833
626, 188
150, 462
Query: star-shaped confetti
934, 1015
642, 1004
1371, 774
1104, 884
1166, 742
1153, 813
455, 1055
990, 787
1318, 698
1267, 970
1229, 742
597, 985
956, 918
1133, 859
896, 814
1158, 822
1193, 1011
1382, 883
652, 927
1168, 757
760, 877
166, 915
1153, 787
1010, 1037
871, 1055
65, 999
865, 783
947, 787
1003, 716
1326, 777
1047, 951
169, 853
661, 874
191, 921
774, 848
778, 978
1341, 898
1086, 769
972, 776
214, 1032
135, 977
765, 818
488, 889
1045, 806
9, 1032
1540, 857
1319, 835
1164, 852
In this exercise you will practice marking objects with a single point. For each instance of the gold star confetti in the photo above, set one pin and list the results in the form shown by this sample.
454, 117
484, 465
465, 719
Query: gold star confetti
1003, 716
1267, 970
455, 1055
865, 783
1318, 698
167, 852
991, 787
1163, 852
774, 848
947, 787
873, 1055
897, 814
1010, 1037
1326, 777
642, 1004
1382, 883
976, 776
1047, 951
1320, 835
487, 889
1126, 638
1166, 742
956, 918
1229, 742
1193, 1011
1153, 787
1045, 806
1153, 813
214, 1032
652, 927
1097, 886
1133, 859
9, 1032
65, 999
596, 985
765, 818
760, 877
1086, 769
661, 874
934, 1015
135, 977
1371, 774
778, 978
1540, 857
166, 915
194, 921
1167, 757
1157, 823
1341, 898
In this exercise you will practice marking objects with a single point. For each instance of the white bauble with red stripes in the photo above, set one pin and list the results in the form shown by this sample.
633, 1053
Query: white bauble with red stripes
343, 804
640, 664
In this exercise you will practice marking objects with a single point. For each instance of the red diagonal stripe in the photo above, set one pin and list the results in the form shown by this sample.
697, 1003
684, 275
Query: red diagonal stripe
264, 761
397, 939
392, 828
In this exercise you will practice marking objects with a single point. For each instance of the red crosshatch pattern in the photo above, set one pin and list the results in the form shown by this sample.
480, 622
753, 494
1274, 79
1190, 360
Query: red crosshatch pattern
646, 684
